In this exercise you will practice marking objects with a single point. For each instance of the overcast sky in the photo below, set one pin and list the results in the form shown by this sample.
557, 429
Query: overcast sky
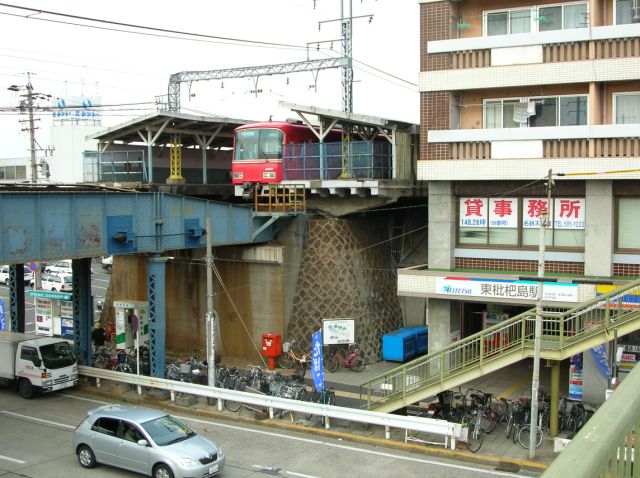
119, 67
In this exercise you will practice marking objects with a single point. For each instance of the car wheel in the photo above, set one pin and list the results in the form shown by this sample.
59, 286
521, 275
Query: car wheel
162, 471
86, 458
25, 389
109, 269
53, 289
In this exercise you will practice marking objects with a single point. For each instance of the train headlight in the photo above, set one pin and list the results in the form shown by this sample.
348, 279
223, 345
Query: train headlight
269, 175
238, 175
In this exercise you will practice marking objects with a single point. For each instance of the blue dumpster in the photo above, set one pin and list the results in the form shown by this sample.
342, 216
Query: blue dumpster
399, 345
422, 333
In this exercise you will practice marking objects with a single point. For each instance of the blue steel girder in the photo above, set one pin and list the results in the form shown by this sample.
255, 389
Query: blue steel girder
82, 309
157, 319
61, 225
16, 297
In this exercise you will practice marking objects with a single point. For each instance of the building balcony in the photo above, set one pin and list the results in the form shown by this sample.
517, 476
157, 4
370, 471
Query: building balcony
528, 153
612, 41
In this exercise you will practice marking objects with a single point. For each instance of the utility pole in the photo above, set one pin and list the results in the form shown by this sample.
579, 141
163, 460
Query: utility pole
28, 104
32, 131
535, 382
210, 321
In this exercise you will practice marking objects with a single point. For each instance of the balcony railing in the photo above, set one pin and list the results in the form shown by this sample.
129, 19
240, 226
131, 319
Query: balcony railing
557, 52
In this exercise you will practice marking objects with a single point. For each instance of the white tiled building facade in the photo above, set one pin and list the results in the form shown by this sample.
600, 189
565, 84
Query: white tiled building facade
510, 90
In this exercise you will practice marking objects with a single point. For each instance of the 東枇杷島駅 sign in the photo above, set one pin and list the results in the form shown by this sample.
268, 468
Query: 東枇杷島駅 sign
505, 289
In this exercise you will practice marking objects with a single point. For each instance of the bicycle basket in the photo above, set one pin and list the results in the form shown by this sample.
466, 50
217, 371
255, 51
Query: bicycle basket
286, 346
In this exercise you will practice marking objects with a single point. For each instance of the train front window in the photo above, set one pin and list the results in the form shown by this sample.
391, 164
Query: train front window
258, 144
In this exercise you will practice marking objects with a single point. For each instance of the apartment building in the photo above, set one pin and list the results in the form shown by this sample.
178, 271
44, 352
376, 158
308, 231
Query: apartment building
510, 90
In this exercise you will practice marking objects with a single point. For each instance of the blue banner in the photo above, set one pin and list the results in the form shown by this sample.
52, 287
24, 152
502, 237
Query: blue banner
601, 358
317, 372
2, 323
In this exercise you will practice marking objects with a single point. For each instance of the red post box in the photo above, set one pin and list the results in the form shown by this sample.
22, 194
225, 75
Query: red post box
271, 348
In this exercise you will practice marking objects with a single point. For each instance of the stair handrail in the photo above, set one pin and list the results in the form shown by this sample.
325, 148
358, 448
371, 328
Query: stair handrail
524, 321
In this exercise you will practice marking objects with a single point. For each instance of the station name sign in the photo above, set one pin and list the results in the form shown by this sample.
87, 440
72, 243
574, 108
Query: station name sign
505, 289
45, 294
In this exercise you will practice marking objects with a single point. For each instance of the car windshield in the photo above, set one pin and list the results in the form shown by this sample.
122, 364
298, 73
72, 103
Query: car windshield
167, 430
57, 355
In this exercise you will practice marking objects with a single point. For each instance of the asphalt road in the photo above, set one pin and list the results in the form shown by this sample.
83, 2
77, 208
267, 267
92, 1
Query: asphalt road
35, 441
99, 283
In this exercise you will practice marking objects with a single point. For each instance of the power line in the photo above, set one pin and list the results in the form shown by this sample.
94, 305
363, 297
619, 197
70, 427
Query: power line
133, 25
167, 33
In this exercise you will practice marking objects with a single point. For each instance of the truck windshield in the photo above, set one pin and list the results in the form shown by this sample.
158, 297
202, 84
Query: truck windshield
57, 355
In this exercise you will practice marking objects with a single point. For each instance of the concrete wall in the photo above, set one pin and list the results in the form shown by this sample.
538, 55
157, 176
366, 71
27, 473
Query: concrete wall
341, 275
441, 225
598, 247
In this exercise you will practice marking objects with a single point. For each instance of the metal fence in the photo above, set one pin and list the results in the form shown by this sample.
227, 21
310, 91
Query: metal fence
450, 431
346, 160
605, 446
561, 330
115, 166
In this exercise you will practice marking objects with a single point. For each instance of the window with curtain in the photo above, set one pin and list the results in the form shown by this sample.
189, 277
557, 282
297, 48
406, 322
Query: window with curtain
624, 12
627, 107
508, 22
536, 111
562, 17
537, 18
628, 227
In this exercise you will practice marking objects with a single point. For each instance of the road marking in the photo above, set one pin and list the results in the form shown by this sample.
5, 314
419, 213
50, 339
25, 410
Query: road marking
300, 474
276, 471
15, 460
85, 399
41, 420
351, 448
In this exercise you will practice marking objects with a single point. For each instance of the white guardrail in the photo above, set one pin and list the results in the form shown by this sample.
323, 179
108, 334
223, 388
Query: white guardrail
450, 431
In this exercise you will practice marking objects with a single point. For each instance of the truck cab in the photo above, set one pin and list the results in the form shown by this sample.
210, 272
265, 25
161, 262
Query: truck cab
37, 364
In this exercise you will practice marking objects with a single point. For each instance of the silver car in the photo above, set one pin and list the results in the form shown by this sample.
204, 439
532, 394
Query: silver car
146, 441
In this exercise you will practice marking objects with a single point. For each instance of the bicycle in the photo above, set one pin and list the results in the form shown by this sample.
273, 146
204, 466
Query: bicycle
474, 420
290, 357
326, 397
353, 360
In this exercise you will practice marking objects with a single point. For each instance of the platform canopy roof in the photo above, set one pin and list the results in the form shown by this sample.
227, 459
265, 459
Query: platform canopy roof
326, 115
159, 127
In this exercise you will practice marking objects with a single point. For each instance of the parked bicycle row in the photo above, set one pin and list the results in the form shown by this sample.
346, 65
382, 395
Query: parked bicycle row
274, 384
334, 357
481, 413
253, 379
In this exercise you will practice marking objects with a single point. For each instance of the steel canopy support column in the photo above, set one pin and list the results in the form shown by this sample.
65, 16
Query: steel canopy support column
16, 297
555, 397
157, 321
82, 309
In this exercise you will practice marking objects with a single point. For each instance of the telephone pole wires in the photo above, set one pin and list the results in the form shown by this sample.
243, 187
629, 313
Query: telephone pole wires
28, 105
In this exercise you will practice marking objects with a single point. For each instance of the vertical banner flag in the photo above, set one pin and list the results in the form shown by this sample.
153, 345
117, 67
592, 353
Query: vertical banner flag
601, 358
2, 323
317, 372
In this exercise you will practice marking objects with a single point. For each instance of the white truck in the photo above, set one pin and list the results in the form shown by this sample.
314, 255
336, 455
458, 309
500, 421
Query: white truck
36, 364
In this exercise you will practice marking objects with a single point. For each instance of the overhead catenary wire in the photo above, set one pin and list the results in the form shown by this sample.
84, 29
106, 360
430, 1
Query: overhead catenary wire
170, 34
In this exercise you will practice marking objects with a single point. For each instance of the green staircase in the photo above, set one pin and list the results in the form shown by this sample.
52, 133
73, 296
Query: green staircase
564, 333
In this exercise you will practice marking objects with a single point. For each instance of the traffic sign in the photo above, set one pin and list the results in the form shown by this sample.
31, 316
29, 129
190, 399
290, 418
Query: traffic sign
33, 266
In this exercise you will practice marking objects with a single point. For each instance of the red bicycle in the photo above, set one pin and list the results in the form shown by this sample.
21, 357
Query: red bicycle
351, 359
